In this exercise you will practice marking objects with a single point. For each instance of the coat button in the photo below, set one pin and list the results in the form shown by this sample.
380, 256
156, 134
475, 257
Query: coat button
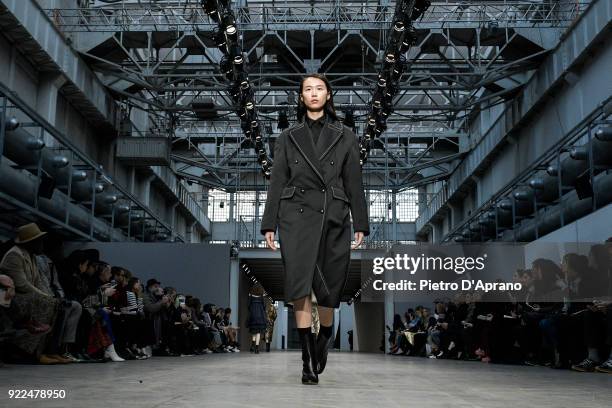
323, 190
331, 162
321, 211
296, 161
302, 190
301, 210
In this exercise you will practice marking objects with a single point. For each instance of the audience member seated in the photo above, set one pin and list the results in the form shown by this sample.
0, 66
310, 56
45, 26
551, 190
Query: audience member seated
68, 314
31, 296
155, 301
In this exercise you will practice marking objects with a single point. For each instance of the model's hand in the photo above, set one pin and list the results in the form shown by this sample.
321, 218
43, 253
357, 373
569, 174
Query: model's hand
270, 240
358, 239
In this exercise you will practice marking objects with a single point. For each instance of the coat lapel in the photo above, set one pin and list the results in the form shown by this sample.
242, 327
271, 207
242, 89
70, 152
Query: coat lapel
330, 136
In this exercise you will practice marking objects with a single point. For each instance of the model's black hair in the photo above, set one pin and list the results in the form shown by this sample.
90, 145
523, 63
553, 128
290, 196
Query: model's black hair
329, 109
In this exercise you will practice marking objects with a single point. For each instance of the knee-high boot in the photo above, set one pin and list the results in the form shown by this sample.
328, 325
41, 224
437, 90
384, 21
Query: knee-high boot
309, 356
322, 347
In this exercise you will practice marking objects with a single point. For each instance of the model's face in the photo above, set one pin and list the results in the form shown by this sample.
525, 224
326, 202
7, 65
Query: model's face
314, 94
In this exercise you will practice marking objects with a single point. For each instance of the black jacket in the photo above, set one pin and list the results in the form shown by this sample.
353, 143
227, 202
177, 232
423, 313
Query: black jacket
312, 189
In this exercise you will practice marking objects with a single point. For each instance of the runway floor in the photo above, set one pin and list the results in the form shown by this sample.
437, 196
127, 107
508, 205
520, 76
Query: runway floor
273, 380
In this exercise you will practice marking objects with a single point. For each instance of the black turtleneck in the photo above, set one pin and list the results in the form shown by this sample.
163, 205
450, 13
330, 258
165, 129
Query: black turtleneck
316, 126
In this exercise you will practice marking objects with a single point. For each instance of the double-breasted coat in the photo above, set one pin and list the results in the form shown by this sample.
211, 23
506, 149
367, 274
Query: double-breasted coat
312, 189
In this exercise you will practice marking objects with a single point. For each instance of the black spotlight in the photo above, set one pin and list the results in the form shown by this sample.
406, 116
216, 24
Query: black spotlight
283, 122
396, 33
419, 9
236, 53
210, 6
229, 25
349, 119
389, 61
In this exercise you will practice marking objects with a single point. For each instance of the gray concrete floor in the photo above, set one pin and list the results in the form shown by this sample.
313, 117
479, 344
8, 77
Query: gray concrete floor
273, 379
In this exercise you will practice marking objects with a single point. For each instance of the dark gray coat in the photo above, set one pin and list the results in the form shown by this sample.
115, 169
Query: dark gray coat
312, 188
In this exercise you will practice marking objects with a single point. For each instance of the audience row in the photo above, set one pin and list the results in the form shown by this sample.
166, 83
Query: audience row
574, 332
81, 309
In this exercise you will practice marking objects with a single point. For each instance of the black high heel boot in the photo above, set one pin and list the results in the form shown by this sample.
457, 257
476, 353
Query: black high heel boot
309, 356
322, 347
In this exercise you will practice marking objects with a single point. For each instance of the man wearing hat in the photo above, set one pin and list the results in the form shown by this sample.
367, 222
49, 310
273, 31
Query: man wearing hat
20, 264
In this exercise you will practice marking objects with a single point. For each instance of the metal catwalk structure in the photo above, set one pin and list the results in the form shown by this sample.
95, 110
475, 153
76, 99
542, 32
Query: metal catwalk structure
160, 60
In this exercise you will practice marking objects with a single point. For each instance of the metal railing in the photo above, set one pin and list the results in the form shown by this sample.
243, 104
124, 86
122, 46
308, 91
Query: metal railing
124, 217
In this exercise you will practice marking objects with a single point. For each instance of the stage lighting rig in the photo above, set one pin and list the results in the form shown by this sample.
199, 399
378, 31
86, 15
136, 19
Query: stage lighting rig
228, 23
420, 7
220, 41
410, 39
283, 121
212, 9
396, 34
349, 119
227, 68
233, 66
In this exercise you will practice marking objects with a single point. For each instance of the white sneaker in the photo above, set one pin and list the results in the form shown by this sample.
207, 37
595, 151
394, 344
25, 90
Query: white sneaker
207, 351
112, 354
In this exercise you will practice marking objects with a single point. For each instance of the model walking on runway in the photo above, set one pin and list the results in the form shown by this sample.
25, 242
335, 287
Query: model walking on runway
315, 181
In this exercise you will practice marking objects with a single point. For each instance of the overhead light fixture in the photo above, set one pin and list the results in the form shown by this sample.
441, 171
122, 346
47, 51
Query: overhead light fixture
221, 42
396, 73
231, 31
420, 6
244, 85
235, 53
229, 24
210, 7
283, 121
349, 119
396, 33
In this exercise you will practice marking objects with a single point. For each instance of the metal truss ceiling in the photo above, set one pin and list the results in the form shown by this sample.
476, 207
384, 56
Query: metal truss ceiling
160, 57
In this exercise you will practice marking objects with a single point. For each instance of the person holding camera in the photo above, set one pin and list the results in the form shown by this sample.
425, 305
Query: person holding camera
155, 302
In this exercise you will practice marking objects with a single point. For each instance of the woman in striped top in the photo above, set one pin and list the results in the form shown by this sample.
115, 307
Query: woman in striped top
135, 317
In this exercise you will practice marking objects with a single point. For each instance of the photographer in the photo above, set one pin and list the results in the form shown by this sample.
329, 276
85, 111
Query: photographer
182, 327
154, 303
